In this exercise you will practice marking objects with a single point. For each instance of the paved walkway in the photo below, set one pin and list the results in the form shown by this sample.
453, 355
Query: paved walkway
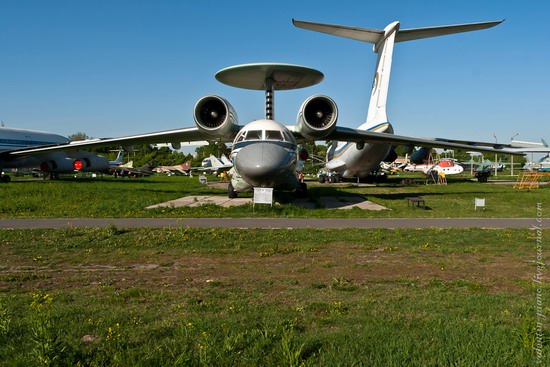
327, 202
274, 222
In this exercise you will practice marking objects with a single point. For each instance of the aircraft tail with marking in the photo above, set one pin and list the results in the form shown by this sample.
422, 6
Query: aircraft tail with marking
383, 42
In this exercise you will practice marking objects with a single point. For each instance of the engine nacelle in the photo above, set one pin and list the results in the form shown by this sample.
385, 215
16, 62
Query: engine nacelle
420, 155
93, 163
62, 165
317, 117
391, 156
215, 117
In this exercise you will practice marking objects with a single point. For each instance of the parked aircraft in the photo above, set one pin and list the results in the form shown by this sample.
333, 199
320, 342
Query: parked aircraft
447, 166
265, 152
359, 160
54, 162
128, 170
179, 169
215, 165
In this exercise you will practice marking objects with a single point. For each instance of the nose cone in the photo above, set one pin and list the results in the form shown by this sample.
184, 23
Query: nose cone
264, 164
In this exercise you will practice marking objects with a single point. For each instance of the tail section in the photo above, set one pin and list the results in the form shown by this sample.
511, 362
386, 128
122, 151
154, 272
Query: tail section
119, 158
383, 42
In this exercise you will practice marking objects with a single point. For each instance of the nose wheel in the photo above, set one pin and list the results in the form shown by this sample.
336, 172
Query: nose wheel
231, 193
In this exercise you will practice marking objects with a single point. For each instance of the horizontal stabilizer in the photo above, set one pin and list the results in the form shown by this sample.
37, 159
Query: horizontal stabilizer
375, 35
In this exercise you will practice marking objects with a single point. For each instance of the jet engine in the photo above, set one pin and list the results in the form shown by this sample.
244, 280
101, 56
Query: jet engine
215, 117
317, 117
391, 156
61, 165
92, 163
420, 155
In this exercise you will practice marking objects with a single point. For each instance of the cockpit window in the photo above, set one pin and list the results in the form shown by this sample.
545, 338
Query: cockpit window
288, 136
273, 135
240, 137
254, 135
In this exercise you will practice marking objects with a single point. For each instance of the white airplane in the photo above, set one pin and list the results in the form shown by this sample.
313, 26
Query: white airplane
54, 162
265, 153
349, 160
215, 165
447, 166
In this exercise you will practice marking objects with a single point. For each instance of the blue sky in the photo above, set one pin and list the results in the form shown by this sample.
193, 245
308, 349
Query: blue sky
111, 68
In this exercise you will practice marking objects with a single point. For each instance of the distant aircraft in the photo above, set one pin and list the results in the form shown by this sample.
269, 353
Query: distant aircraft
542, 164
119, 158
447, 166
13, 141
179, 169
128, 170
215, 165
266, 153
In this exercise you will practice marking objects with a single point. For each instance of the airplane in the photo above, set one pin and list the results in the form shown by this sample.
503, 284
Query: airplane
266, 153
447, 166
180, 169
128, 170
14, 140
119, 158
215, 165
543, 164
350, 160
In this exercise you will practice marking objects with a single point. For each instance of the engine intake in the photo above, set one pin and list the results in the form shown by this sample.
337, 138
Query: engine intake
317, 117
215, 117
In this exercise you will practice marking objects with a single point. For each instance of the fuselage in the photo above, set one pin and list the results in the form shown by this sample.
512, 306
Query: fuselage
264, 155
11, 139
358, 160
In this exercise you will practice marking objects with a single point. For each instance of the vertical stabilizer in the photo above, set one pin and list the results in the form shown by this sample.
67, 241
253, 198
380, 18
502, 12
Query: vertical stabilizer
383, 41
384, 47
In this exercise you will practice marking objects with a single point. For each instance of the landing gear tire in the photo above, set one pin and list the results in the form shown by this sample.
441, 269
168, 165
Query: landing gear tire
5, 179
301, 191
231, 193
322, 179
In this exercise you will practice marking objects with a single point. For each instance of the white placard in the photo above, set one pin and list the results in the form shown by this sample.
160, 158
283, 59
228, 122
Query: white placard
263, 195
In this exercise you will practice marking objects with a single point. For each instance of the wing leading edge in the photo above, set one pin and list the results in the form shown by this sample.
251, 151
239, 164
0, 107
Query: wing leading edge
355, 135
191, 134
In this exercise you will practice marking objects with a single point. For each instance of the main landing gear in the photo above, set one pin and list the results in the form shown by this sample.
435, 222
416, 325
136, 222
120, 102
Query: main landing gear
301, 191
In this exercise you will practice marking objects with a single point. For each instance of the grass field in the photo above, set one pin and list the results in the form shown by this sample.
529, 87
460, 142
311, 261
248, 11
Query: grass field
220, 297
108, 197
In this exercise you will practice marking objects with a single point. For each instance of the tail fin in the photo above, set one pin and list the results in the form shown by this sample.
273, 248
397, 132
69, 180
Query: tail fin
383, 42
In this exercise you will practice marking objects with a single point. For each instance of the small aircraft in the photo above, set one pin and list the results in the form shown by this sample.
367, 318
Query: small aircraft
447, 166
128, 170
266, 153
179, 169
215, 165
55, 162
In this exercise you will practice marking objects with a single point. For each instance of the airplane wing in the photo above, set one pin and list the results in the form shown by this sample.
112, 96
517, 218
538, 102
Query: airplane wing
354, 135
178, 135
518, 148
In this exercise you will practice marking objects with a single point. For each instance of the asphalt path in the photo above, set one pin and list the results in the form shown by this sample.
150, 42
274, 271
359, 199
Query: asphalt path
27, 223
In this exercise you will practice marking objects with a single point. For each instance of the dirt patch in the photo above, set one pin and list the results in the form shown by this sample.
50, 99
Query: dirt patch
274, 272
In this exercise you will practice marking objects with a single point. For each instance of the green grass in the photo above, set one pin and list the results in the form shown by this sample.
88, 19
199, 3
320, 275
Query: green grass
108, 197
219, 297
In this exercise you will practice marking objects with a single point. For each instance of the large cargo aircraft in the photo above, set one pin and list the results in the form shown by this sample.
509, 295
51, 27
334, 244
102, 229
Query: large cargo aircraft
54, 162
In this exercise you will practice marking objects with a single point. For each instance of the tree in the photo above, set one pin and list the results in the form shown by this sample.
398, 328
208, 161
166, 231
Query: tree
78, 136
